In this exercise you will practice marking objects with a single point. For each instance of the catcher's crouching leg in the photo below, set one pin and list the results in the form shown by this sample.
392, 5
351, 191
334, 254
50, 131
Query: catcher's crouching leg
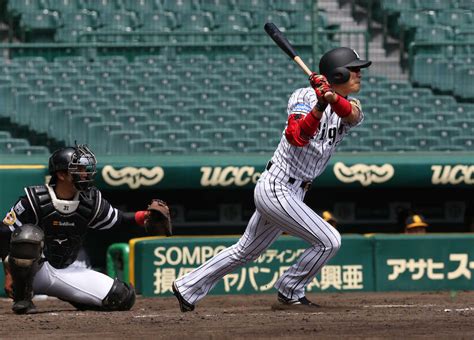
26, 245
120, 297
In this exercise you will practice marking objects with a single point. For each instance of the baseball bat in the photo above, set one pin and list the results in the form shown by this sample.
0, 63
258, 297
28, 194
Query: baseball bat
278, 37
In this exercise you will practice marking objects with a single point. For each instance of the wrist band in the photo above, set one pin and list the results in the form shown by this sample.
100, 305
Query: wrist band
140, 217
342, 107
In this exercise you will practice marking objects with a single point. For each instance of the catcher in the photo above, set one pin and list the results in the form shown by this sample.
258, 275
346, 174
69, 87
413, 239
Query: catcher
41, 235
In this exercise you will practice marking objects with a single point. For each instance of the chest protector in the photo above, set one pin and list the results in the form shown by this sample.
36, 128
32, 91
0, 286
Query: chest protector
64, 232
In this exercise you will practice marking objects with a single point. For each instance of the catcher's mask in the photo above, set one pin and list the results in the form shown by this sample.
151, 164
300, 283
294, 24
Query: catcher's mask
79, 161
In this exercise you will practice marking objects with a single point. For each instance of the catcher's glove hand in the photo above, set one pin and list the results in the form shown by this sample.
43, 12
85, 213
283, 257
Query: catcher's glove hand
157, 219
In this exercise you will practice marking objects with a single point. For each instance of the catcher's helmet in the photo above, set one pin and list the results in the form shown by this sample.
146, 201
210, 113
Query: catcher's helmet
79, 161
334, 64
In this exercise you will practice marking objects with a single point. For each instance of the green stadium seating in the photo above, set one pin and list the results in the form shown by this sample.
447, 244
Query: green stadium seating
392, 101
121, 21
7, 144
172, 136
239, 144
118, 141
176, 118
82, 20
78, 124
423, 69
30, 150
141, 6
169, 150
241, 126
444, 133
421, 124
5, 135
195, 127
463, 85
440, 116
97, 135
65, 6
417, 110
102, 6
447, 148
193, 144
423, 142
145, 145
433, 33
130, 119
462, 124
401, 148
220, 118
217, 134
454, 17
433, 4
465, 141
354, 148
357, 133
378, 143
150, 127
263, 134
215, 150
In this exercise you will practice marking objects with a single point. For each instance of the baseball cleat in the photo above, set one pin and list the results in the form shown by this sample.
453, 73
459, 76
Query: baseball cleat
24, 307
286, 303
183, 304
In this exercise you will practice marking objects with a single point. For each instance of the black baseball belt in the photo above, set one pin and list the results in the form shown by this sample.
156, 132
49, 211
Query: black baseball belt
305, 185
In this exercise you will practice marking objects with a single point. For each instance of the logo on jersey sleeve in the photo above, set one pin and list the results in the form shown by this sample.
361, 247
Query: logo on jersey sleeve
363, 173
10, 219
301, 108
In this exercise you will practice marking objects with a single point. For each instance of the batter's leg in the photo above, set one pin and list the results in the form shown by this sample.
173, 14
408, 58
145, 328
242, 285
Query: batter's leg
258, 236
285, 207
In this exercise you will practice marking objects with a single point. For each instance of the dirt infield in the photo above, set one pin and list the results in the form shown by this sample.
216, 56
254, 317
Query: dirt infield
346, 315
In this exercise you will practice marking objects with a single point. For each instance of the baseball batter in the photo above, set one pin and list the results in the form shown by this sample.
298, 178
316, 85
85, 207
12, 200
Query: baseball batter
41, 236
318, 118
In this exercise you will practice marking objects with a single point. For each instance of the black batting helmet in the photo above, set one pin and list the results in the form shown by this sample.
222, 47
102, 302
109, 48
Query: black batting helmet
79, 161
335, 63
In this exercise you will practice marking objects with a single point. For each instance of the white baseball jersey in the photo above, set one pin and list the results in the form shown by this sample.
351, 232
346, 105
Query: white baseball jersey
279, 195
307, 163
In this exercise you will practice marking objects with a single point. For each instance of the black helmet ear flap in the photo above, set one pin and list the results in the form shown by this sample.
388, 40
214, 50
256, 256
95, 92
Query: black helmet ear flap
339, 75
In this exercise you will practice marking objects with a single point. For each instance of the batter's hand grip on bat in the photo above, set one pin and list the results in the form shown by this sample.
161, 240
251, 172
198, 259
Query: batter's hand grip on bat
280, 39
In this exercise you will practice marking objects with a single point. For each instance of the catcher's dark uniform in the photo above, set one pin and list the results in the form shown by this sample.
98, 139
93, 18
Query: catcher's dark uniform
65, 224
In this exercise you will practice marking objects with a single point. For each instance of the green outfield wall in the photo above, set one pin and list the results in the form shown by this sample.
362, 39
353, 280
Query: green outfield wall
364, 263
372, 170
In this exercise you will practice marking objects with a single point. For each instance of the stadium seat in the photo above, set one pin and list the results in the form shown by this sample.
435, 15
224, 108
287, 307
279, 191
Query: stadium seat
118, 141
30, 150
5, 135
169, 150
215, 150
195, 127
392, 101
444, 133
130, 119
423, 69
239, 144
440, 116
82, 20
150, 127
422, 125
401, 148
433, 33
216, 135
377, 143
454, 17
193, 144
465, 141
6, 145
220, 118
98, 133
464, 79
423, 142
447, 148
263, 134
78, 124
354, 148
144, 145
241, 126
172, 136
400, 132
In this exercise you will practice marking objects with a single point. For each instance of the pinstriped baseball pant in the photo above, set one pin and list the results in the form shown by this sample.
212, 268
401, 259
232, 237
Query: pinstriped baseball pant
279, 207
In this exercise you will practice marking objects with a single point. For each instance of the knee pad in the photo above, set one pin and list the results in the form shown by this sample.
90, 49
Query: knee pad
26, 245
120, 297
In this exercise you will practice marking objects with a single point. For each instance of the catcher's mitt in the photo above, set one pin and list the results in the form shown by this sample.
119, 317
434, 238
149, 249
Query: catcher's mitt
157, 219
